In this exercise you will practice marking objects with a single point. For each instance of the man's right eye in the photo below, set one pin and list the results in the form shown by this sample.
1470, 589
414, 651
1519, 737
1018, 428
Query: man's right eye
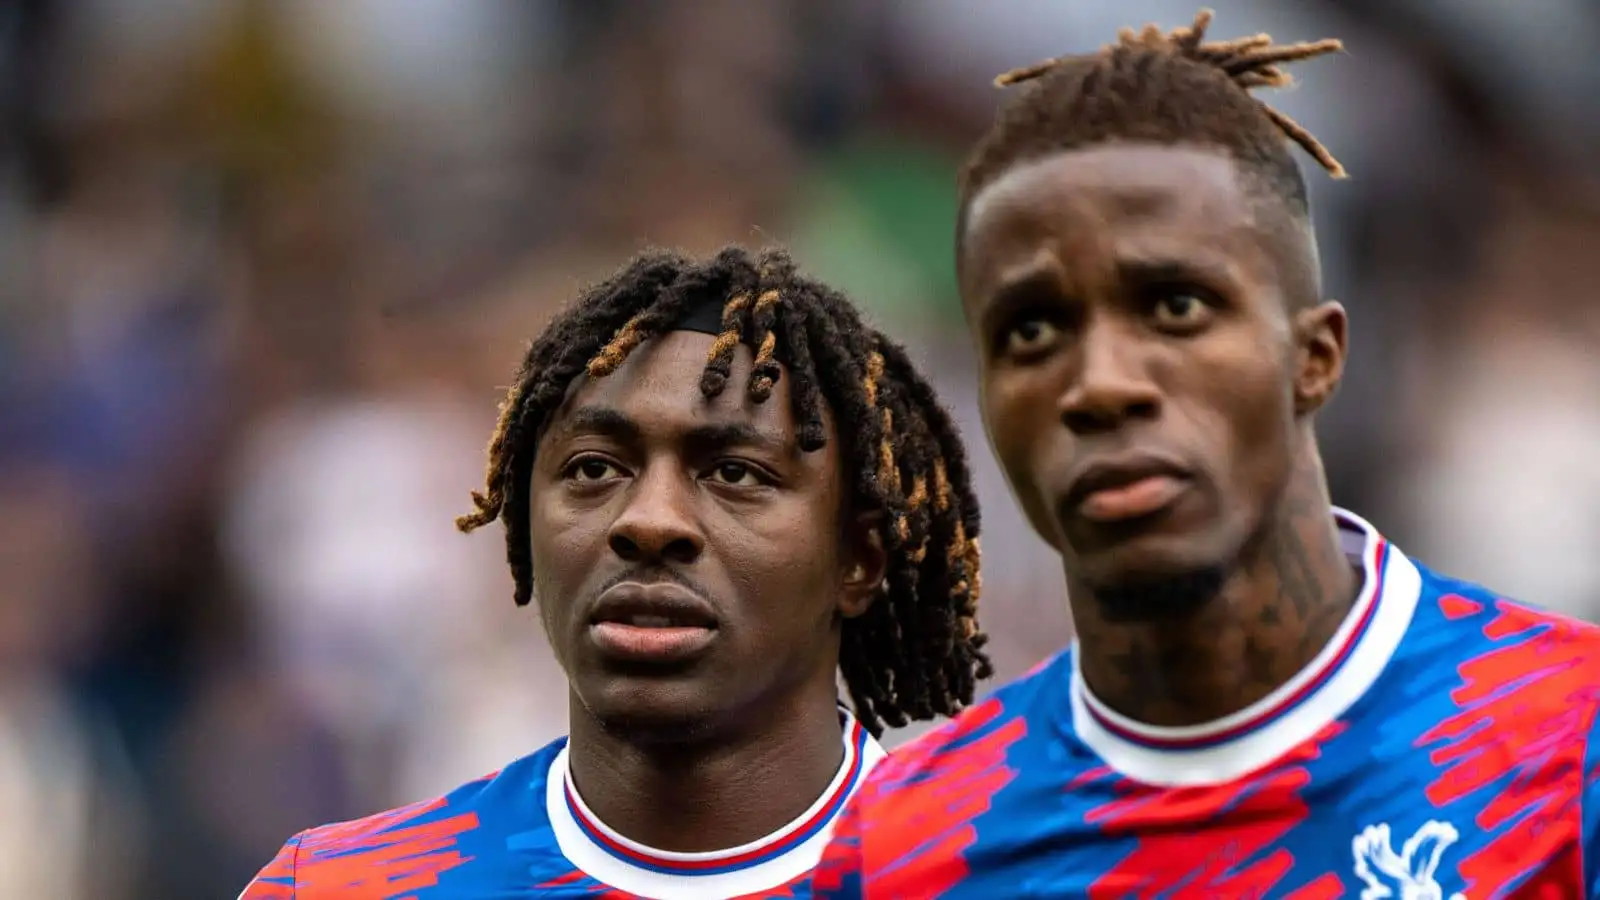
1030, 337
591, 468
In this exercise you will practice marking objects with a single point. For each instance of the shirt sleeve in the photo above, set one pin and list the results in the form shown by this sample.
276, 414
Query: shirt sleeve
839, 876
276, 881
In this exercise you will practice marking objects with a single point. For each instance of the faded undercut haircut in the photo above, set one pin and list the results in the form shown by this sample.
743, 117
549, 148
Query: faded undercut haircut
1166, 88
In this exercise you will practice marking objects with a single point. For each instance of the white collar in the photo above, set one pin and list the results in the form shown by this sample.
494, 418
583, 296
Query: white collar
1228, 748
774, 860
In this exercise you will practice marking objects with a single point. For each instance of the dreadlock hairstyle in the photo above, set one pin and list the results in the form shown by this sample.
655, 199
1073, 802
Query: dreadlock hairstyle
917, 651
1161, 88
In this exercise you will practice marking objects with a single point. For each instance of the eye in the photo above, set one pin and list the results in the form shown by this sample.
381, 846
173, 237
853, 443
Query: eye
736, 474
1179, 308
1029, 337
590, 469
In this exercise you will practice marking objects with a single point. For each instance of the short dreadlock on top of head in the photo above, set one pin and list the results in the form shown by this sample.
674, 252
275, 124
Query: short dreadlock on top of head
1174, 88
917, 651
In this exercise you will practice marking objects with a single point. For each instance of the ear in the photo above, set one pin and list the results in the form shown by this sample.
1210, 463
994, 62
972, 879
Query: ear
865, 564
1321, 333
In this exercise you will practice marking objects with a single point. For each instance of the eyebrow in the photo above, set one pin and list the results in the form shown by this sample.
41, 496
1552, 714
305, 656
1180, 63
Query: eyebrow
607, 421
600, 420
1018, 290
1151, 270
719, 435
1138, 269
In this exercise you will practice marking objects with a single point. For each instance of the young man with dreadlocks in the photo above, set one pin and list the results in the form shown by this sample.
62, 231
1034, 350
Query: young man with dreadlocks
723, 488
1266, 698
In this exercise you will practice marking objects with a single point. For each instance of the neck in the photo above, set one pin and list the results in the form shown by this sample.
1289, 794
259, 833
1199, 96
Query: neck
719, 792
1278, 608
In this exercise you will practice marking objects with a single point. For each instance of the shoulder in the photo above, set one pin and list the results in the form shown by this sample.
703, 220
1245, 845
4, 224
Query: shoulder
917, 814
1521, 657
1488, 618
276, 880
976, 741
464, 807
426, 835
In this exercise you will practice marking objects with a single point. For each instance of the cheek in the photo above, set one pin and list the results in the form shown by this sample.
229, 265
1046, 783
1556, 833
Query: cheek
764, 550
1010, 412
564, 547
784, 576
1030, 447
1257, 425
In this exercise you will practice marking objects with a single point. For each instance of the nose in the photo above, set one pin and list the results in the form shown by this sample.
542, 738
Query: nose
1112, 385
659, 522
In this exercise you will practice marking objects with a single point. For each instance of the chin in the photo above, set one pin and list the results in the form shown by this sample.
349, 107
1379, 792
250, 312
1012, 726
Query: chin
1152, 579
1157, 596
646, 713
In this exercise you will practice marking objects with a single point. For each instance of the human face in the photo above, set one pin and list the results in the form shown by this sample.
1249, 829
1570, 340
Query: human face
688, 558
1143, 378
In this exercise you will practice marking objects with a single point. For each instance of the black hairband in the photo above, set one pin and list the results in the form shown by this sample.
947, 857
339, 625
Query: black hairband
705, 318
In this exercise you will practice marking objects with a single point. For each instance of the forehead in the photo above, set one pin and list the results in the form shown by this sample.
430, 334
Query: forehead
658, 386
1140, 200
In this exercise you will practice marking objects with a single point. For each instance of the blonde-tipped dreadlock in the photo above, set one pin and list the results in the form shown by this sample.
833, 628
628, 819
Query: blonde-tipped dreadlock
917, 652
1170, 88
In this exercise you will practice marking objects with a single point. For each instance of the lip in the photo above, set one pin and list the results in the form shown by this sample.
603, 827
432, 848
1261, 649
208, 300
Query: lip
1147, 480
630, 601
657, 622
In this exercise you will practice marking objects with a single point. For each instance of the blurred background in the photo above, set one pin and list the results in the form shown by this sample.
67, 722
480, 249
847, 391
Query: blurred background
266, 266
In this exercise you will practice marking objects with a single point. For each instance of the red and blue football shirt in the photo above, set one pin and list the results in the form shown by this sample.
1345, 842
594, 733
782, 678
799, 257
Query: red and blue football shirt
1441, 746
525, 832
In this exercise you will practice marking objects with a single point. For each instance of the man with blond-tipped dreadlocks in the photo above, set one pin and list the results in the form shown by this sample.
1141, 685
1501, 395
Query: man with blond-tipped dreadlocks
1266, 698
723, 488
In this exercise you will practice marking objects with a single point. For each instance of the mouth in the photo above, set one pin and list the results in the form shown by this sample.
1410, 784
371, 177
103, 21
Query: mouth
659, 622
1125, 488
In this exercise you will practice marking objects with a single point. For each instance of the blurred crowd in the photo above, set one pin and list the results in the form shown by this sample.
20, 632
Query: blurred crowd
266, 265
